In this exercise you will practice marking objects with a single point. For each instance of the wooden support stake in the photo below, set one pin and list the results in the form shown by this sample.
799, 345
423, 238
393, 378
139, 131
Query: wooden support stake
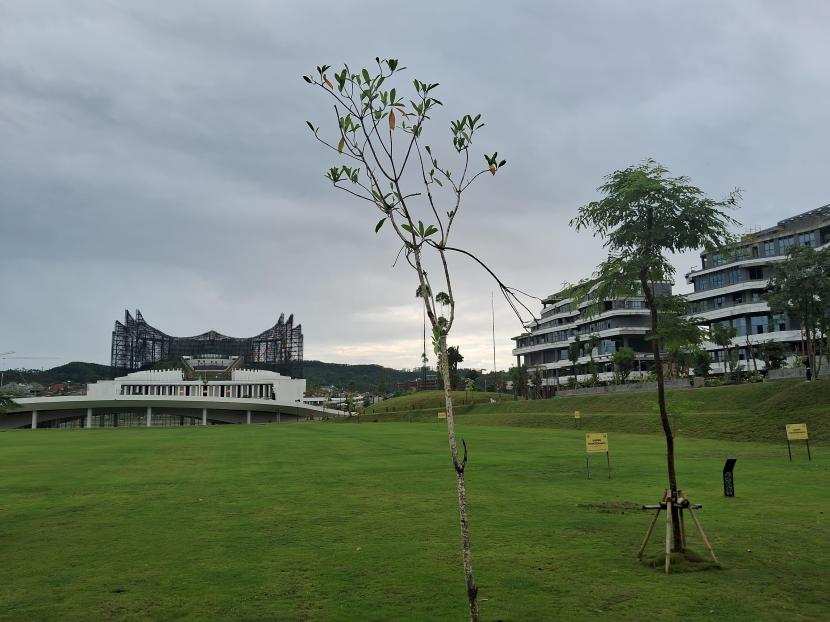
668, 534
608, 459
682, 529
809, 457
703, 535
648, 534
789, 451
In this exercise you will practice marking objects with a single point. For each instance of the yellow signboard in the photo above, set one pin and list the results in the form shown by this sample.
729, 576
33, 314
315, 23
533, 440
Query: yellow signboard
596, 442
577, 414
442, 415
797, 432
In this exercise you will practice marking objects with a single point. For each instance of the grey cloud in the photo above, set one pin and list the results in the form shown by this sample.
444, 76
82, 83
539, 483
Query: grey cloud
155, 155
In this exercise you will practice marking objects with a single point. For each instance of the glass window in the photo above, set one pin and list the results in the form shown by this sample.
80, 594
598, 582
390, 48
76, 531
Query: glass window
785, 243
807, 239
740, 326
607, 346
769, 248
759, 324
735, 276
716, 280
779, 322
719, 302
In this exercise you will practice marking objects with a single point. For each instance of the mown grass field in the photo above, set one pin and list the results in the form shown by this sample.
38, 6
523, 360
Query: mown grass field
359, 522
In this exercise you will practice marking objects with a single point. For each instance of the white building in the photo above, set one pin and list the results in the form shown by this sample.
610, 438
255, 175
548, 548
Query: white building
168, 398
243, 384
728, 289
615, 323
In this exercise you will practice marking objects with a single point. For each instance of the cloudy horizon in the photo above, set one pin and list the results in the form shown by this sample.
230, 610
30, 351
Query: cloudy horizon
155, 156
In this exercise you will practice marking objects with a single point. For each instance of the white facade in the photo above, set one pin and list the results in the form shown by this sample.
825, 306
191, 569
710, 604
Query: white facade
617, 323
729, 288
244, 384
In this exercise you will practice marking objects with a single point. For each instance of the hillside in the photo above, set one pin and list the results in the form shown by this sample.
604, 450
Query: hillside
755, 412
360, 377
76, 372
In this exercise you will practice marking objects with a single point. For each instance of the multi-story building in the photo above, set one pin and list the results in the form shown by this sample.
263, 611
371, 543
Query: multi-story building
617, 323
728, 287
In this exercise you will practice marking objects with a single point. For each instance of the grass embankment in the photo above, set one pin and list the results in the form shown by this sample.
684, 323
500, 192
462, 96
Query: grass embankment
748, 412
324, 522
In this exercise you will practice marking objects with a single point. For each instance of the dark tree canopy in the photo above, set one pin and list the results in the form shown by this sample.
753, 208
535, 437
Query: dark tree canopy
646, 215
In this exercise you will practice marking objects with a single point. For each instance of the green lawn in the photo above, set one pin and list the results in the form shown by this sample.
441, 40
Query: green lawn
359, 522
744, 412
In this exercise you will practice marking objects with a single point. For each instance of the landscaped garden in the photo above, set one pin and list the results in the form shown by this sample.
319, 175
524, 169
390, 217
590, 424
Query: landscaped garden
339, 522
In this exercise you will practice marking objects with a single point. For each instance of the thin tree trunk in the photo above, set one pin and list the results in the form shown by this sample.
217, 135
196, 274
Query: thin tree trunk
811, 353
472, 589
677, 538
726, 373
751, 354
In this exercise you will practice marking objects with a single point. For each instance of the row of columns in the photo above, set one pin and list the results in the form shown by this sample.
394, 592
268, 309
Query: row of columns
149, 417
256, 391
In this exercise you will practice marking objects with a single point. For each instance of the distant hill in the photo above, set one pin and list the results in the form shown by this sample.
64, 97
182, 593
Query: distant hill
75, 372
361, 377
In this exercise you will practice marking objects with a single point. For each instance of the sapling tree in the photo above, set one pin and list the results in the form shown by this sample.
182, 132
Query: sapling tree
800, 287
643, 216
574, 352
387, 161
679, 334
702, 362
623, 360
593, 344
722, 334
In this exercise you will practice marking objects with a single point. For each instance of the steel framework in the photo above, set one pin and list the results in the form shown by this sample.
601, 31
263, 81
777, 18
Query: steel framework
137, 345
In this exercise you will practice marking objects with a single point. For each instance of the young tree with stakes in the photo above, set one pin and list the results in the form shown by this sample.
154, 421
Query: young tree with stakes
392, 168
645, 214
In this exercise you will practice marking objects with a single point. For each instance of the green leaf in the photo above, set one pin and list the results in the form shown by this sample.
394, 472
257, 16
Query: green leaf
310, 126
380, 224
366, 76
341, 144
307, 79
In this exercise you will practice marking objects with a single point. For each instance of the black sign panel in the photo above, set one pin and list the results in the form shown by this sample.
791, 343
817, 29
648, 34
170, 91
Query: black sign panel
728, 481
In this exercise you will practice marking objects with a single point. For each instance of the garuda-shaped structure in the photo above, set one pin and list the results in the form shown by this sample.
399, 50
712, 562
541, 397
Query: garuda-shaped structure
137, 345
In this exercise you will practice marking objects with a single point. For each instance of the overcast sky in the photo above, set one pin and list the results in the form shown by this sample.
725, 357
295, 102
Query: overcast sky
154, 155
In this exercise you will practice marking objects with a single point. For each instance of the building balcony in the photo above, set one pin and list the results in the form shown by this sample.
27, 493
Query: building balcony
725, 312
728, 289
